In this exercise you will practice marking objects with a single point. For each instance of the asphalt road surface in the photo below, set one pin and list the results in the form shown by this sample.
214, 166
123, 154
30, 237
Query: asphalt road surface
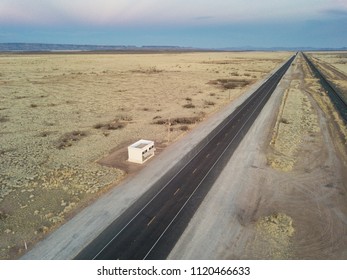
150, 228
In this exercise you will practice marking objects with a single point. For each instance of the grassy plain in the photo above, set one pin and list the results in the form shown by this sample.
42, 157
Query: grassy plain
61, 113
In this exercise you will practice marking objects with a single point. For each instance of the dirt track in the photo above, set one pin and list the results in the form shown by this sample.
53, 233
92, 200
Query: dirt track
257, 212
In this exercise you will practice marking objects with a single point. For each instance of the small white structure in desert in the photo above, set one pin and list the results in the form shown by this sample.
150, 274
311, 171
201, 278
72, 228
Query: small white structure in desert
141, 151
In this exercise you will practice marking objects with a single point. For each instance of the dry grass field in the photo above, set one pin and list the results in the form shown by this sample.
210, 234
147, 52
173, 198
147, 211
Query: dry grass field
60, 114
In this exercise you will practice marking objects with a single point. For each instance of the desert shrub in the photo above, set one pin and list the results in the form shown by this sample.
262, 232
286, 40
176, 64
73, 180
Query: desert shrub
3, 216
44, 133
229, 86
188, 106
161, 121
284, 120
230, 83
151, 70
185, 120
209, 103
112, 125
184, 128
69, 138
178, 120
213, 82
124, 117
4, 119
33, 105
99, 125
20, 97
188, 99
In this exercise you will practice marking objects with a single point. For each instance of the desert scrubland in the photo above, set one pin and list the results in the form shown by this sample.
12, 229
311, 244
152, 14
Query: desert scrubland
61, 115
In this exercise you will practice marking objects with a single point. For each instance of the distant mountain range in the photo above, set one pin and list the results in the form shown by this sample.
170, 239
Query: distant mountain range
35, 47
296, 49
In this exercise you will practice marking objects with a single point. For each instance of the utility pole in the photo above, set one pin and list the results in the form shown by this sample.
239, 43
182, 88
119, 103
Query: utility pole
168, 130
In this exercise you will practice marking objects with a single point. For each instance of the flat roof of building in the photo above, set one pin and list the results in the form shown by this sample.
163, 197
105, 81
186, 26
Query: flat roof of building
141, 144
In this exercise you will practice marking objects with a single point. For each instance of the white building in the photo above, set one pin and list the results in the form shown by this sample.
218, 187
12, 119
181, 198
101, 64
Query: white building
141, 151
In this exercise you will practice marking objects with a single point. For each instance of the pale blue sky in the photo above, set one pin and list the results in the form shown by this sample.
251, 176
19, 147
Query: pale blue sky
196, 23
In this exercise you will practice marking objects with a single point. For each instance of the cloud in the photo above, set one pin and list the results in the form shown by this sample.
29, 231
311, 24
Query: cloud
339, 3
204, 18
153, 12
335, 12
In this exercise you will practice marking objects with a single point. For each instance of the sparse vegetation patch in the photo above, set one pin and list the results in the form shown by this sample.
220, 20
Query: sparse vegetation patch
178, 120
113, 125
124, 118
209, 103
4, 119
296, 119
117, 123
69, 138
45, 133
189, 105
151, 70
231, 83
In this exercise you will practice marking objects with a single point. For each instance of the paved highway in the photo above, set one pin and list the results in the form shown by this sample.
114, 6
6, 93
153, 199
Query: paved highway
150, 228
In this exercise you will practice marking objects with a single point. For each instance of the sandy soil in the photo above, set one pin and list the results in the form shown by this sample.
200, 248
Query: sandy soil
66, 120
283, 193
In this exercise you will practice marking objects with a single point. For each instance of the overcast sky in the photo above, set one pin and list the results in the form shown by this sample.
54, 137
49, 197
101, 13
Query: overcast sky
195, 23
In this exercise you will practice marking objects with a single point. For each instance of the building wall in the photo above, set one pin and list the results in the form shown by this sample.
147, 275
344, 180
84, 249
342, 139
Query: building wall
135, 155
